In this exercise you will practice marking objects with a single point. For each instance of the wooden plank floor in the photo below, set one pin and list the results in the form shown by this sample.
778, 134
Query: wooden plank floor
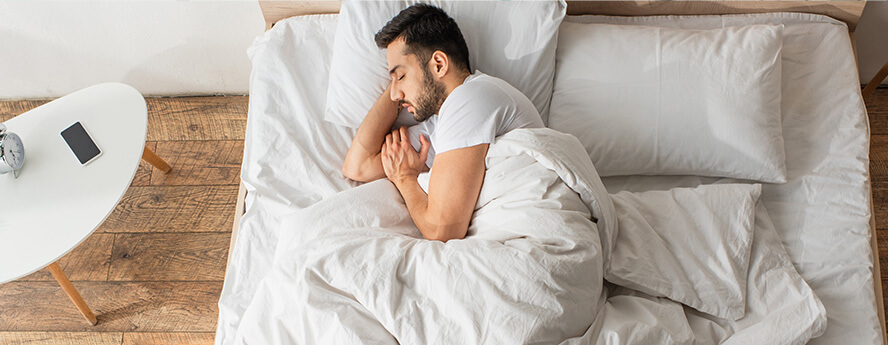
153, 271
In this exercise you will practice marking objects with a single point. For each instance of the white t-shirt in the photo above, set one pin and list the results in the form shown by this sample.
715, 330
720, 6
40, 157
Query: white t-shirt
476, 112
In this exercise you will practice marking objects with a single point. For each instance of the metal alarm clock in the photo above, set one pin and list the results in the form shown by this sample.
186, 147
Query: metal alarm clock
12, 152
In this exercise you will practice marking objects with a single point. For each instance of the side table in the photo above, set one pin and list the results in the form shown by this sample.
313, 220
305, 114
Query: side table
56, 203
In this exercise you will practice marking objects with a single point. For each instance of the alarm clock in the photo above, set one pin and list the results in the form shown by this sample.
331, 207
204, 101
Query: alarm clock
12, 151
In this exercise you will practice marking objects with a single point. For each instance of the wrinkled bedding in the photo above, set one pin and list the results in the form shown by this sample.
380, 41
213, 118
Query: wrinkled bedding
353, 268
821, 215
530, 271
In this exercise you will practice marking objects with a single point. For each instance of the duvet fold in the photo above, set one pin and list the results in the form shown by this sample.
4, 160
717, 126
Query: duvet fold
353, 269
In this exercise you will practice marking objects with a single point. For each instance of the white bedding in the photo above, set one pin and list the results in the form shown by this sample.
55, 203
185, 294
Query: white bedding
822, 213
353, 269
364, 271
292, 160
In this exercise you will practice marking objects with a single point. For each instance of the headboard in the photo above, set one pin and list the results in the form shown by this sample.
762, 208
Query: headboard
846, 11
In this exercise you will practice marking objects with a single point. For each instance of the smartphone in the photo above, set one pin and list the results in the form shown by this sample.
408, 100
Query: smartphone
81, 143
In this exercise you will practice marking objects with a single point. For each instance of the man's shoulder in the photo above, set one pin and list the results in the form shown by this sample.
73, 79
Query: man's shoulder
485, 82
485, 94
487, 88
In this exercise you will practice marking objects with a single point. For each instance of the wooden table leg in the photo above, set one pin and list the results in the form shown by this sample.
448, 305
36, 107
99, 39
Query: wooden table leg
874, 83
152, 158
72, 293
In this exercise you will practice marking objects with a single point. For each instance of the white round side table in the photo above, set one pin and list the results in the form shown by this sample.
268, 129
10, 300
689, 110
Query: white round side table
56, 202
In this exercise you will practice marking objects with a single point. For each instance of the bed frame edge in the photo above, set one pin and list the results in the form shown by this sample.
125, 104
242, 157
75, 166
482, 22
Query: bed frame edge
239, 210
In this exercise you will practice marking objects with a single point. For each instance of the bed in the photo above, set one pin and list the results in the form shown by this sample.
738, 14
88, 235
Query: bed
822, 213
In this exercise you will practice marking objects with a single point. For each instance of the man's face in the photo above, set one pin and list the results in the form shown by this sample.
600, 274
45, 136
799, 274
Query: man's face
413, 84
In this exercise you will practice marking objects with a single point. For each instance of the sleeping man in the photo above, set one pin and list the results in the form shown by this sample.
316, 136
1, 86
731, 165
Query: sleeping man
460, 114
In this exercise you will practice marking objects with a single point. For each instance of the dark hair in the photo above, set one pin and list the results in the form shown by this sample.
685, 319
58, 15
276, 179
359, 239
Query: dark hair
425, 29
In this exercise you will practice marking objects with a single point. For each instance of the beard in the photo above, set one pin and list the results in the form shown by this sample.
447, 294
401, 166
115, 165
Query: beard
431, 97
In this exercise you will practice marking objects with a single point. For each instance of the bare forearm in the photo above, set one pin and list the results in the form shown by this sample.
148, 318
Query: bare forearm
417, 203
362, 161
377, 124
431, 225
454, 186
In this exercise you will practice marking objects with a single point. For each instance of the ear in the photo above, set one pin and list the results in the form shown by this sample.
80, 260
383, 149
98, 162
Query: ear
439, 64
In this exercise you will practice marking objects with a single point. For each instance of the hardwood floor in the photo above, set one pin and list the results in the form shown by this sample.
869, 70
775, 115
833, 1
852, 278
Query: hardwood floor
153, 271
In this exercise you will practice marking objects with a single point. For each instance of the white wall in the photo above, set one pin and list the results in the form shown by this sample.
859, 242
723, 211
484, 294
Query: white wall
51, 48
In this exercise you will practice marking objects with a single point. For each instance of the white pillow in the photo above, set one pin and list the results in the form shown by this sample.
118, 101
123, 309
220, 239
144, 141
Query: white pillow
661, 101
514, 41
691, 245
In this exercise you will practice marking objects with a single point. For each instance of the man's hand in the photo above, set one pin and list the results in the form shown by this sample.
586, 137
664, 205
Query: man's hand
399, 160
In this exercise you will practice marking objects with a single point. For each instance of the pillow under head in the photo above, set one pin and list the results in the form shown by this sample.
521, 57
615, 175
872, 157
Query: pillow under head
662, 101
514, 41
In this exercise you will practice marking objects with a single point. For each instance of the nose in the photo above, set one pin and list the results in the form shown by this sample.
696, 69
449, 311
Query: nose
396, 93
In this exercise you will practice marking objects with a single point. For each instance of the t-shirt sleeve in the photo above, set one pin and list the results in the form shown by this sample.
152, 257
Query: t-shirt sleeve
470, 117
414, 131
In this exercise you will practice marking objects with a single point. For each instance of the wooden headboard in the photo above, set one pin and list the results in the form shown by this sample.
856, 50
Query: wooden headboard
846, 11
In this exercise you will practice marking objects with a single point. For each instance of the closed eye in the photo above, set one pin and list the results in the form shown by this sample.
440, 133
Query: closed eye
401, 77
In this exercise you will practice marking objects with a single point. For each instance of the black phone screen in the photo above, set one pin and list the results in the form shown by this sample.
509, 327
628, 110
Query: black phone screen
80, 142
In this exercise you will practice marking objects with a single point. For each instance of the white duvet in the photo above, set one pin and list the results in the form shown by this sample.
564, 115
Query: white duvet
353, 268
292, 160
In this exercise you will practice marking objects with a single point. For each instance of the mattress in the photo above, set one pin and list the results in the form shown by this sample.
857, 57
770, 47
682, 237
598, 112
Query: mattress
292, 159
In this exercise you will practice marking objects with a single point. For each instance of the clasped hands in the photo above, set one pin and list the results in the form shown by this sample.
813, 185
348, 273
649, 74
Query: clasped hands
399, 160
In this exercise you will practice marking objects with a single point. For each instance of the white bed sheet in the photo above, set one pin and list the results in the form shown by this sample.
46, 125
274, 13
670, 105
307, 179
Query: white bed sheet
292, 159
